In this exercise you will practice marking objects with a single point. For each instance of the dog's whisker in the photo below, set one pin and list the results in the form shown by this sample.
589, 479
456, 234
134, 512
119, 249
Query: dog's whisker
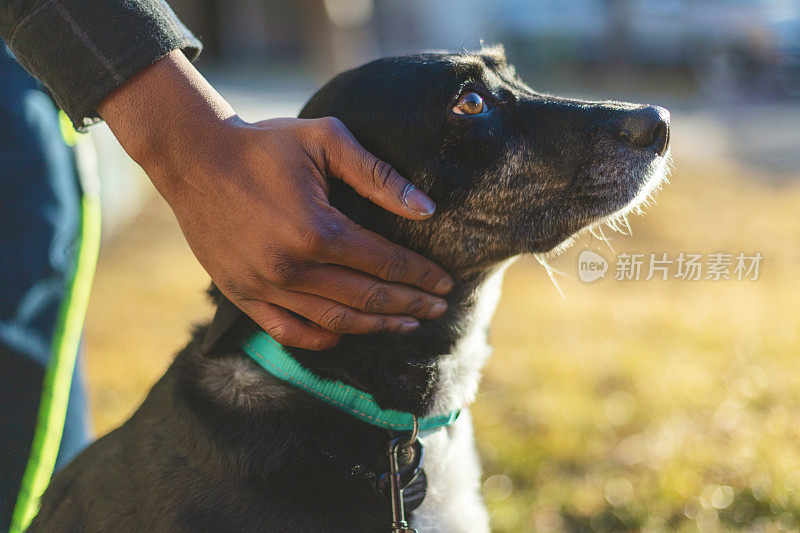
624, 217
603, 235
618, 224
561, 272
583, 241
549, 270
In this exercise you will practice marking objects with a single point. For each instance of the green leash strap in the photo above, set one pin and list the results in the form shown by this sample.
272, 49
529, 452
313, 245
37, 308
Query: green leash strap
58, 376
274, 359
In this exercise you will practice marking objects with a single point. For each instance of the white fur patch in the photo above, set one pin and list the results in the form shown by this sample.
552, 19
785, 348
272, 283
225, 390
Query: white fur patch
459, 372
453, 502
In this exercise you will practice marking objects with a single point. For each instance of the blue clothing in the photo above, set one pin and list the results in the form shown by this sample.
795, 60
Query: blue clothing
39, 227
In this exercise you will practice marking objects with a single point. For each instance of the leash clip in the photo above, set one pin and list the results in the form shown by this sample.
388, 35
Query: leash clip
399, 524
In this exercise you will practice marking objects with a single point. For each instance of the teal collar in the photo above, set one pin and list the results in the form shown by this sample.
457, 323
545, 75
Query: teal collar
274, 359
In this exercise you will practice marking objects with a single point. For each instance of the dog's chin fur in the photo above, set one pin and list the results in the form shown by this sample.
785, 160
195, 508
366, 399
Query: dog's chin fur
641, 197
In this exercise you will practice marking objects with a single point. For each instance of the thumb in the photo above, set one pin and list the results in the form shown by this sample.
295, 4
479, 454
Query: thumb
372, 178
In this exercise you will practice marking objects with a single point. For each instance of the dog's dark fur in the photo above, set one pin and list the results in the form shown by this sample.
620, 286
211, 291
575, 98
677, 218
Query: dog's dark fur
220, 445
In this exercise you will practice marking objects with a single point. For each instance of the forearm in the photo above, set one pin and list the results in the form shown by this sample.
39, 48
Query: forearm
83, 50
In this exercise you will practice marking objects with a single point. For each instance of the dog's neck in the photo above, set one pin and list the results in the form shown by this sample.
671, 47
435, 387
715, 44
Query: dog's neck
430, 371
269, 428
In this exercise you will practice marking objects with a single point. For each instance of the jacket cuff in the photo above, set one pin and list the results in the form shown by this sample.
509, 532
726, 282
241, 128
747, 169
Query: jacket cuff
82, 49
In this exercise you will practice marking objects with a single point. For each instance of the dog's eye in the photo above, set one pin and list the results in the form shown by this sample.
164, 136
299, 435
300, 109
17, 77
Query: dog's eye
470, 103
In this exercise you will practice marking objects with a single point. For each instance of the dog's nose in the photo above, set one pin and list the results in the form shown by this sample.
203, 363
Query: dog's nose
646, 127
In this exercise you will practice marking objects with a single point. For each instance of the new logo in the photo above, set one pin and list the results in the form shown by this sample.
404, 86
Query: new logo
591, 266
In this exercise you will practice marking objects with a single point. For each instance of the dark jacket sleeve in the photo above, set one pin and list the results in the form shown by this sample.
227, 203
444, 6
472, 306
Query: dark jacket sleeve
83, 49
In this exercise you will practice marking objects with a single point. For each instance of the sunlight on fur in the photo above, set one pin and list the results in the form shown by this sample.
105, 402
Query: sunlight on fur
617, 221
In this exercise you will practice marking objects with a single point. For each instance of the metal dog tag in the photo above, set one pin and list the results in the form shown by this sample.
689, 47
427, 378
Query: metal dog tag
414, 492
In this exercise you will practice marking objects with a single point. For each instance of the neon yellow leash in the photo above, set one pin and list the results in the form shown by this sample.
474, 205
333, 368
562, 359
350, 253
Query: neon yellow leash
58, 376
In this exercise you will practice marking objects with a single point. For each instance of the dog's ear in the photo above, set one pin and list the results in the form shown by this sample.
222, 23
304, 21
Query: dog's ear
229, 325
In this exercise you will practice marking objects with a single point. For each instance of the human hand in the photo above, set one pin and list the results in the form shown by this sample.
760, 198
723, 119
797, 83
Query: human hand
252, 201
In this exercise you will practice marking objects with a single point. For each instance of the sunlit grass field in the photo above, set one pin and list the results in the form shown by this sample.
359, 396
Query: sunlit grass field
626, 406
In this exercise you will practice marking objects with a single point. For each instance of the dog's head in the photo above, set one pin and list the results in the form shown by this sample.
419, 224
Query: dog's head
512, 171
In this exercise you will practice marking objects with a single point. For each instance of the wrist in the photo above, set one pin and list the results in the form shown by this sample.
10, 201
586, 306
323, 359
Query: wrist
159, 115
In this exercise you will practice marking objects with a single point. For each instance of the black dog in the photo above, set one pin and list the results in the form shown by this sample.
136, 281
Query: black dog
221, 445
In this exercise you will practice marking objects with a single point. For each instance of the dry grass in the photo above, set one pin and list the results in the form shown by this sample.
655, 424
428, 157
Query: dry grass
659, 405
148, 293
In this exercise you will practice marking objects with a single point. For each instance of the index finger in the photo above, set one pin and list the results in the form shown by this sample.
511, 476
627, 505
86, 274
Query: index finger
369, 252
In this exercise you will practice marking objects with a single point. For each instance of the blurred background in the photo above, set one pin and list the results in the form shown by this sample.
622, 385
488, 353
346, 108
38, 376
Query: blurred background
660, 405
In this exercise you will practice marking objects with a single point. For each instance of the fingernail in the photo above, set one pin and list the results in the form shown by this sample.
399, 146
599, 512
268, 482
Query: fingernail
409, 325
417, 201
438, 309
444, 286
